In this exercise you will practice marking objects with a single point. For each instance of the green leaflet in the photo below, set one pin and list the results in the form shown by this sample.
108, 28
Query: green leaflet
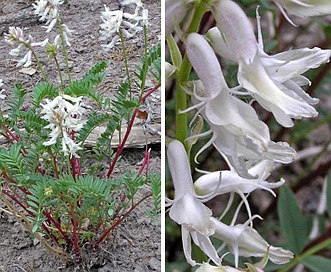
317, 263
328, 195
292, 222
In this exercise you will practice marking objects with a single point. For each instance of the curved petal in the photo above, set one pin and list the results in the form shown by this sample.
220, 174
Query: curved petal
191, 213
282, 102
306, 8
237, 29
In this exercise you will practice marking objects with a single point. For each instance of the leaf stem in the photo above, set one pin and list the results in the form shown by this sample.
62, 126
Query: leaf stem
125, 62
305, 254
64, 48
182, 77
104, 235
128, 130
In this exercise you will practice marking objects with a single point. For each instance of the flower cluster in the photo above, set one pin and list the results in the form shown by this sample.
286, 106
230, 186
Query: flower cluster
48, 11
16, 36
64, 114
115, 21
2, 96
273, 81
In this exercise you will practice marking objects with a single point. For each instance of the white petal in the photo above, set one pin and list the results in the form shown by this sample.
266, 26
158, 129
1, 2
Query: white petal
205, 64
191, 213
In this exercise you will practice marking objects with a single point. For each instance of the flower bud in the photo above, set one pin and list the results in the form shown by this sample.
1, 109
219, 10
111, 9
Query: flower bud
305, 8
175, 11
236, 28
205, 64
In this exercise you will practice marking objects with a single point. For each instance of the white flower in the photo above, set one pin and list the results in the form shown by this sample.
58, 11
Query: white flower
205, 267
128, 2
144, 17
2, 96
175, 12
16, 36
116, 19
26, 60
223, 182
274, 81
245, 241
187, 208
64, 117
67, 35
47, 10
304, 8
206, 65
238, 134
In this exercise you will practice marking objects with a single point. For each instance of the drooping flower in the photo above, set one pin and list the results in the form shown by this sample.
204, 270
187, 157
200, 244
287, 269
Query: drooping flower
304, 8
2, 96
16, 36
237, 133
67, 36
64, 114
174, 12
274, 81
128, 2
205, 267
223, 182
206, 65
245, 241
129, 24
47, 10
187, 208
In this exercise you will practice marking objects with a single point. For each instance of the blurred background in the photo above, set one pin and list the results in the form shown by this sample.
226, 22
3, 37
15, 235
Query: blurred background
297, 219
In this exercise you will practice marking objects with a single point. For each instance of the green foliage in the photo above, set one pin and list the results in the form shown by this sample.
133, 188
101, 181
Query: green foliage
32, 122
94, 121
328, 195
317, 263
133, 183
12, 161
16, 101
64, 200
86, 85
91, 197
155, 182
292, 222
42, 91
152, 64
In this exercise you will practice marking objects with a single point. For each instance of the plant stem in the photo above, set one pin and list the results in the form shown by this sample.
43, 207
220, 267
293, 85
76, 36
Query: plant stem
305, 254
59, 70
125, 62
145, 65
38, 62
182, 77
74, 230
121, 145
145, 163
104, 235
64, 48
128, 130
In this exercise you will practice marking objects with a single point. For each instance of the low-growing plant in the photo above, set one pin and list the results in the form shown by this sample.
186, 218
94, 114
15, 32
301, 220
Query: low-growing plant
46, 182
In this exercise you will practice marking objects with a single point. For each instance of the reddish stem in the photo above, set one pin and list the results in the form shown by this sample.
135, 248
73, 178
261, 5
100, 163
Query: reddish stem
142, 99
74, 230
121, 146
10, 133
105, 234
145, 163
55, 168
57, 225
128, 130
